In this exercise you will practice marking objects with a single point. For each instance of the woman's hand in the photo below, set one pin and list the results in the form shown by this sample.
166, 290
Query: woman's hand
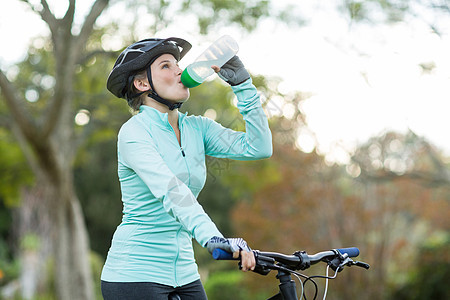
247, 259
233, 71
237, 246
216, 69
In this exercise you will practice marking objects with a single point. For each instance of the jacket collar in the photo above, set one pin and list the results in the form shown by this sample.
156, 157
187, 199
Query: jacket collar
158, 118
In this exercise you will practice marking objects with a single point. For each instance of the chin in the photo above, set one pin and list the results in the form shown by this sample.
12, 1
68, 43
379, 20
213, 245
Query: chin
185, 97
178, 97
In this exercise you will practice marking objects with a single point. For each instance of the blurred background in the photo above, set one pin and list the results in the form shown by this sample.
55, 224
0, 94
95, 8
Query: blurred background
357, 98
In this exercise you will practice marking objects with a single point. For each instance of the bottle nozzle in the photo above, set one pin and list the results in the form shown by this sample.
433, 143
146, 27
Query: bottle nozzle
187, 79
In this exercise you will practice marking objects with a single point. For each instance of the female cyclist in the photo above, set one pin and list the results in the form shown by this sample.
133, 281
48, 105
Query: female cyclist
161, 168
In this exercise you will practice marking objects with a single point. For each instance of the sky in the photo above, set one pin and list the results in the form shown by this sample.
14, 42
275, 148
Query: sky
364, 79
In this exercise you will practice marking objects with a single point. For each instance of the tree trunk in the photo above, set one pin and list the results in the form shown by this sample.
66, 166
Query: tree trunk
48, 142
33, 232
72, 270
50, 221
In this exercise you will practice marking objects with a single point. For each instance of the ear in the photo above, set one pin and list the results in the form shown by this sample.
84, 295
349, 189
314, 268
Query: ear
141, 84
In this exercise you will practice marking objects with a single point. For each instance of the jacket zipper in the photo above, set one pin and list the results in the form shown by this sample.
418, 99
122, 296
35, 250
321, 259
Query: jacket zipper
184, 155
179, 143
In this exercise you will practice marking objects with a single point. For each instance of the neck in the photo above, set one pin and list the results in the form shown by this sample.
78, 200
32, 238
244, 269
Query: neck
172, 114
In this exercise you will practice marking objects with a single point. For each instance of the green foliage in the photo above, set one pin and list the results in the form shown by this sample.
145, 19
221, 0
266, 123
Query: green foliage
431, 277
245, 14
247, 178
214, 95
356, 10
47, 292
14, 171
36, 78
97, 262
98, 190
9, 267
5, 220
217, 202
30, 242
392, 10
226, 285
293, 190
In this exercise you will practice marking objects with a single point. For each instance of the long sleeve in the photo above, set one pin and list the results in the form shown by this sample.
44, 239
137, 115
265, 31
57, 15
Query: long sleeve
138, 152
254, 143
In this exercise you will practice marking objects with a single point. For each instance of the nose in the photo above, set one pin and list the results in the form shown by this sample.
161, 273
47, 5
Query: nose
178, 70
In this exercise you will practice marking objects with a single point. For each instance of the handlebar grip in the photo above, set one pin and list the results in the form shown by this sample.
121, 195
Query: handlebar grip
219, 254
352, 251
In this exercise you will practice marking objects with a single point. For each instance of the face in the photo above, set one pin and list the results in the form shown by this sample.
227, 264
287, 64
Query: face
166, 76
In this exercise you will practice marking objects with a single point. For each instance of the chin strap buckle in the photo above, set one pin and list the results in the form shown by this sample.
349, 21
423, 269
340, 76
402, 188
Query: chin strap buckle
170, 105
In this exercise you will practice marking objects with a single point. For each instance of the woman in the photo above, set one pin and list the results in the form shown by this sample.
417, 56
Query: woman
161, 168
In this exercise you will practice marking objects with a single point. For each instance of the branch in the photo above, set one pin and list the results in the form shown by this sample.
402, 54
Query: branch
17, 108
441, 6
88, 56
91, 18
68, 17
46, 14
64, 62
25, 131
68, 49
25, 148
54, 108
435, 159
438, 178
425, 178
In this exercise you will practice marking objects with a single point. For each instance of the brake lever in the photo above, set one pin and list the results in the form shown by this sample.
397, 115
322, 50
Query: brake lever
362, 264
339, 262
346, 262
349, 262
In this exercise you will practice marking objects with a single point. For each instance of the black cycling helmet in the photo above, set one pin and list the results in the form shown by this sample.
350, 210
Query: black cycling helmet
139, 56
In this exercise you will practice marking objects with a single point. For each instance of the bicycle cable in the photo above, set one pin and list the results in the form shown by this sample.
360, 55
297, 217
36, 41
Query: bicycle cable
323, 277
326, 283
298, 275
301, 285
326, 277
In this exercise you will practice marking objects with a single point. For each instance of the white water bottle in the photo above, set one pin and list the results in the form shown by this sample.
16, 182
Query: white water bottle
217, 54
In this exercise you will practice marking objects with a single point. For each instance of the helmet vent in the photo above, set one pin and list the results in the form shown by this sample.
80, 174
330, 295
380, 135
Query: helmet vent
131, 55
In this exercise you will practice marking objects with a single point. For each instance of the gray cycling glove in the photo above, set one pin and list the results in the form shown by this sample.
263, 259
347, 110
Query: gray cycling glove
234, 72
230, 245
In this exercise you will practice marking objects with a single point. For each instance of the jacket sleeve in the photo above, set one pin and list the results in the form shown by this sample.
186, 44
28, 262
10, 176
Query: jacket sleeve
254, 143
138, 151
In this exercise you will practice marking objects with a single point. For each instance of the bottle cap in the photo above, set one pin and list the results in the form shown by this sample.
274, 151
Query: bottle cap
187, 79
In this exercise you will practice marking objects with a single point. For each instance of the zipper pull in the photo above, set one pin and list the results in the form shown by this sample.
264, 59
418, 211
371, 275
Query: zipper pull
182, 152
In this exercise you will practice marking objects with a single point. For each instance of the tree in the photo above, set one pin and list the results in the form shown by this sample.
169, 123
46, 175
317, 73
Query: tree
428, 11
42, 114
48, 142
428, 278
394, 156
391, 196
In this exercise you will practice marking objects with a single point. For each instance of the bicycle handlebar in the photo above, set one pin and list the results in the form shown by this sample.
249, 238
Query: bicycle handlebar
219, 254
286, 265
351, 251
300, 260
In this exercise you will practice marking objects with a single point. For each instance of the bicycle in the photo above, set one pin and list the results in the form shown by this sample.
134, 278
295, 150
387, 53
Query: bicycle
287, 265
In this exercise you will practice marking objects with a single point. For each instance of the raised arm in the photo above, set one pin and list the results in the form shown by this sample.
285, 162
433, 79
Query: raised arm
254, 143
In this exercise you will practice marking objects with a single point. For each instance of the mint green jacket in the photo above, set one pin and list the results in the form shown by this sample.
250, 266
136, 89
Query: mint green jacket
160, 181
